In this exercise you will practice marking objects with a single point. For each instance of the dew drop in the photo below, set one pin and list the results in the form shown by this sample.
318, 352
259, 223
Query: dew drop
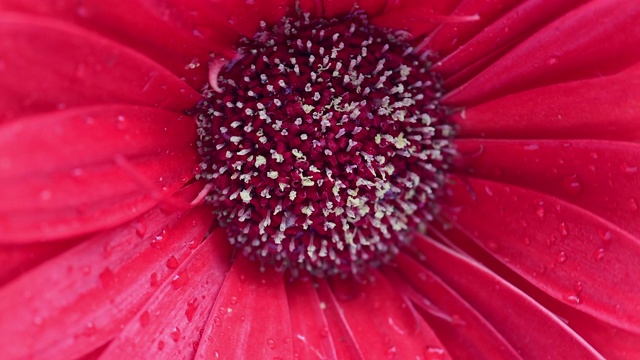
107, 278
633, 204
563, 229
527, 241
172, 263
141, 228
606, 236
192, 306
271, 343
562, 257
217, 321
572, 185
153, 280
599, 254
628, 169
552, 60
573, 299
145, 319
89, 329
234, 300
540, 212
175, 334
160, 345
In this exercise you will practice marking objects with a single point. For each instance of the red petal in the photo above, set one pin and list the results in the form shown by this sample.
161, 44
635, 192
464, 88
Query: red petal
170, 325
533, 331
567, 252
311, 338
74, 180
250, 319
418, 17
333, 8
76, 67
384, 322
599, 176
464, 333
174, 33
450, 36
79, 300
343, 340
505, 33
244, 16
563, 111
584, 43
16, 259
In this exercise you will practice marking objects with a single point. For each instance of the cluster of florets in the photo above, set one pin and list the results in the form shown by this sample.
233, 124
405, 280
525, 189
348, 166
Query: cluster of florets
324, 142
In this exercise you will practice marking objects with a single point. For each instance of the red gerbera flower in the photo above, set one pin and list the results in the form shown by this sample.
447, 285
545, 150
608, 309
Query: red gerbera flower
525, 241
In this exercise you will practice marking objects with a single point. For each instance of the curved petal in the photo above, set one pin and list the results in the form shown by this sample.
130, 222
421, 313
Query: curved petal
17, 259
250, 318
170, 325
343, 340
311, 338
599, 176
383, 321
77, 68
173, 33
571, 110
584, 43
533, 331
116, 162
417, 17
503, 34
450, 36
465, 333
564, 250
94, 289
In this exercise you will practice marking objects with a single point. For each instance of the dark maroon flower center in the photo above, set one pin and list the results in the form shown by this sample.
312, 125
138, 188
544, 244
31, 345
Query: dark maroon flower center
325, 144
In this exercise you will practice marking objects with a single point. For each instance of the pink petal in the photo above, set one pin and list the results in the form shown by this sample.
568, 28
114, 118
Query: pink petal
75, 68
564, 111
342, 336
450, 36
90, 292
464, 333
114, 164
418, 17
17, 259
311, 338
503, 34
174, 33
533, 331
567, 252
383, 322
599, 176
584, 43
250, 318
171, 324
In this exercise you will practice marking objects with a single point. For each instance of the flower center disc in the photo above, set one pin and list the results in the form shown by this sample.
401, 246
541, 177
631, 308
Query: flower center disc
325, 143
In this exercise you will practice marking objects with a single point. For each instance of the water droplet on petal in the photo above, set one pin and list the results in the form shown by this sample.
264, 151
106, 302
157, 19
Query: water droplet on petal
175, 334
217, 321
527, 241
553, 60
540, 212
562, 257
628, 169
172, 263
271, 343
563, 229
572, 185
633, 204
606, 236
599, 254
160, 345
